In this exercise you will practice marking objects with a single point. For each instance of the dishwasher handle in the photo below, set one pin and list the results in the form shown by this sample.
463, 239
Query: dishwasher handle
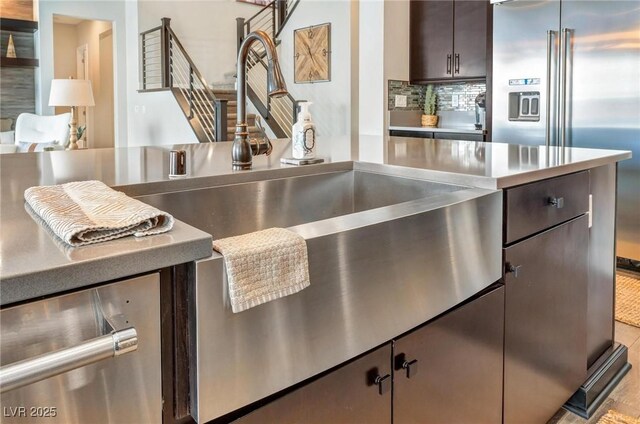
32, 370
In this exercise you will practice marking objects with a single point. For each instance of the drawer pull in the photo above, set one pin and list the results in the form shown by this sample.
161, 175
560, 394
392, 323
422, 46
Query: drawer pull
411, 367
383, 383
557, 202
513, 269
44, 366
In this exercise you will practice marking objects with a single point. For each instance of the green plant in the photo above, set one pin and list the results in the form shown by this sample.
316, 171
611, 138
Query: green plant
81, 130
430, 100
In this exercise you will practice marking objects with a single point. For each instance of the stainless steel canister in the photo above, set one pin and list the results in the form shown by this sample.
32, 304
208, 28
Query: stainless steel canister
177, 162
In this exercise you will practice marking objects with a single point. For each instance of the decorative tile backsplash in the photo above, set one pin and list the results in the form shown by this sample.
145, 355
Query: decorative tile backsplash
414, 93
466, 92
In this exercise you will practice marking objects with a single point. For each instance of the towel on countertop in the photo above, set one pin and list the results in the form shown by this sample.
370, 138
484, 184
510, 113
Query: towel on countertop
264, 266
87, 212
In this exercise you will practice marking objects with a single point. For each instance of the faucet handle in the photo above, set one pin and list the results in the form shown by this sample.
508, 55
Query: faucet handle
260, 145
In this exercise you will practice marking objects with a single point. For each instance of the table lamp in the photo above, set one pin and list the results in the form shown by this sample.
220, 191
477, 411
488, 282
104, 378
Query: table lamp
73, 93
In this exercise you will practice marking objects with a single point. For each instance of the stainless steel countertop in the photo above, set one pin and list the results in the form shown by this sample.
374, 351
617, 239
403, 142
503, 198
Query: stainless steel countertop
459, 130
491, 165
33, 263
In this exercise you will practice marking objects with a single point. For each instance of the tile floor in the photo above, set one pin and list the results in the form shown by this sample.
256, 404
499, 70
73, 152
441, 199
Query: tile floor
626, 397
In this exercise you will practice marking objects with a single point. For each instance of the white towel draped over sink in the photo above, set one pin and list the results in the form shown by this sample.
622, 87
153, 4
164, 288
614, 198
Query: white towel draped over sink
264, 266
87, 212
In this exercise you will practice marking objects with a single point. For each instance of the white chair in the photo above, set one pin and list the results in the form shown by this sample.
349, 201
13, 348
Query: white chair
36, 132
32, 128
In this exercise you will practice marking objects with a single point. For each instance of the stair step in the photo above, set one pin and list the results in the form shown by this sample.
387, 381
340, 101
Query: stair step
252, 130
230, 95
224, 91
232, 118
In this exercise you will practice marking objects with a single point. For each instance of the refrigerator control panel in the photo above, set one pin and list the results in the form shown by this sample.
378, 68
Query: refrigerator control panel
524, 106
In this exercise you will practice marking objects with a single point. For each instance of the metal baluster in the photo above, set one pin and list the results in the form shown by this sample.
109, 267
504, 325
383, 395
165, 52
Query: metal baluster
190, 92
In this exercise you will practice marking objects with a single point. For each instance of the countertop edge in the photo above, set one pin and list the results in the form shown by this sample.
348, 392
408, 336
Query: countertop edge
543, 174
59, 280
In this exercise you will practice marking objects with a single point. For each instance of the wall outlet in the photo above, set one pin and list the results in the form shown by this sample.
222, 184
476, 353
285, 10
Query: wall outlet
455, 100
401, 101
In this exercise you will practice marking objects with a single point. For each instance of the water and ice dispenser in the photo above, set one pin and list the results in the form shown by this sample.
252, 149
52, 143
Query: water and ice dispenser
524, 106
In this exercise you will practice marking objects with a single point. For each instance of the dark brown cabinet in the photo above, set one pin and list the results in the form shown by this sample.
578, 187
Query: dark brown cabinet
449, 370
358, 392
449, 39
545, 321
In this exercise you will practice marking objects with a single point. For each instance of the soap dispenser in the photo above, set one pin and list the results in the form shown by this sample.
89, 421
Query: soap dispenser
303, 134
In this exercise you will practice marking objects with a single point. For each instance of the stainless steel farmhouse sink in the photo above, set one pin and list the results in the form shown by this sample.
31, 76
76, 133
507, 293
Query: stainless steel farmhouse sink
388, 251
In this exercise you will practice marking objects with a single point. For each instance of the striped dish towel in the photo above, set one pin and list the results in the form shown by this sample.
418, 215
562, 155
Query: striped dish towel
264, 266
87, 212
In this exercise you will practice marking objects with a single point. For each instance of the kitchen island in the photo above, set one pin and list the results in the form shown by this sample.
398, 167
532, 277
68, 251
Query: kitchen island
143, 172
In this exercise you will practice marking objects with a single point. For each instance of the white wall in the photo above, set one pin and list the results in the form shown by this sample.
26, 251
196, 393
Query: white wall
103, 111
157, 119
332, 108
64, 53
110, 10
384, 56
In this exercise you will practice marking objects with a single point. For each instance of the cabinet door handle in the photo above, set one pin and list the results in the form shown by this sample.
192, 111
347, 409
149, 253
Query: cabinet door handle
384, 383
556, 202
457, 63
513, 269
448, 64
411, 367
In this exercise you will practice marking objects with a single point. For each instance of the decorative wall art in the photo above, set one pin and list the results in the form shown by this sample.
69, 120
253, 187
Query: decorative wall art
11, 48
312, 54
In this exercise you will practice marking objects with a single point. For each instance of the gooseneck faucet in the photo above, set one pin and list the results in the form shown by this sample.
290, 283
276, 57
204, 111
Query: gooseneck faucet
243, 148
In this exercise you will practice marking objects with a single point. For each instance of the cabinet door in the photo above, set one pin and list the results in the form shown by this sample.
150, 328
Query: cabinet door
458, 374
431, 42
470, 38
545, 321
347, 395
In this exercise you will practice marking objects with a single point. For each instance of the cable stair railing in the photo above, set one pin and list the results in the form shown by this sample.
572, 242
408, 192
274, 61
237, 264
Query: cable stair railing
165, 65
279, 113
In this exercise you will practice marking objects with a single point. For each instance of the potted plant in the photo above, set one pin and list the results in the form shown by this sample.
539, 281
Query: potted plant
429, 118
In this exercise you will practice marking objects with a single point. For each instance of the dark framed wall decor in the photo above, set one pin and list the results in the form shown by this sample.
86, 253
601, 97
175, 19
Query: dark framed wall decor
312, 54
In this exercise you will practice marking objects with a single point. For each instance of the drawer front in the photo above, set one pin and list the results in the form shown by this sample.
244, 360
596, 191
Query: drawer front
531, 208
122, 389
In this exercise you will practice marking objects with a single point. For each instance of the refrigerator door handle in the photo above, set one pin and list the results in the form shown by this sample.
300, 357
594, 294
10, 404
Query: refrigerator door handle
564, 49
547, 134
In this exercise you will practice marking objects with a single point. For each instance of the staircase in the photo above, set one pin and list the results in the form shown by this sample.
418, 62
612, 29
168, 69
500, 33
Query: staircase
232, 105
212, 113
165, 65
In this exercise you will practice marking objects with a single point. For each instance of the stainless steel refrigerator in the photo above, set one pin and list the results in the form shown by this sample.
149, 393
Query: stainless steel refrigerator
567, 73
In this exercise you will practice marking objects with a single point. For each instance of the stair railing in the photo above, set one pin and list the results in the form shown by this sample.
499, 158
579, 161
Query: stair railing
280, 113
165, 64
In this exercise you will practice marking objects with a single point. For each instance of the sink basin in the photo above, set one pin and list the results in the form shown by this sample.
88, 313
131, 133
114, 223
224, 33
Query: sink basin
388, 250
235, 209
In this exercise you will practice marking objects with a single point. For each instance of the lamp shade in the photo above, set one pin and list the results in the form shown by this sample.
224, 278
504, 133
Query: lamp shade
71, 92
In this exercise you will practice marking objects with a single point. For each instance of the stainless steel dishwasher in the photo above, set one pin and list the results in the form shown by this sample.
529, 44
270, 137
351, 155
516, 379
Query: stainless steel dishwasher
91, 356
